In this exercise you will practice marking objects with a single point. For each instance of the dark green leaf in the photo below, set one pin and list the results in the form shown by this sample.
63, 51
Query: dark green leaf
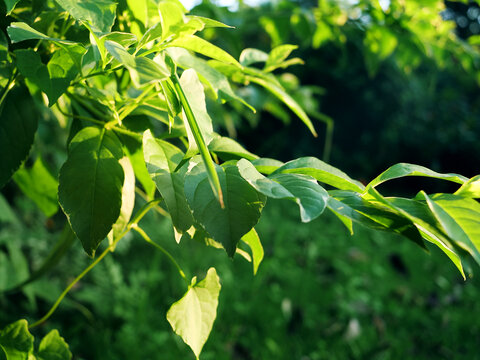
91, 181
17, 131
10, 5
266, 166
243, 204
193, 315
162, 159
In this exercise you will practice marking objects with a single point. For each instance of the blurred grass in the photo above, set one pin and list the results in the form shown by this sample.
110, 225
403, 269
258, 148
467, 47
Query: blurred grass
319, 294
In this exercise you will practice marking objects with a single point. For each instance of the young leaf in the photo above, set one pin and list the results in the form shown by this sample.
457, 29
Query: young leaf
404, 169
54, 78
162, 159
321, 171
251, 56
278, 55
304, 190
17, 131
227, 149
459, 218
283, 96
243, 204
193, 315
16, 341
90, 189
100, 14
253, 241
53, 347
142, 70
196, 44
20, 31
40, 186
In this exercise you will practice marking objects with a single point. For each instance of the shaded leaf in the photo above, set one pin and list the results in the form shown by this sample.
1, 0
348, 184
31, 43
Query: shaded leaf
228, 149
53, 347
10, 4
321, 171
90, 189
162, 158
243, 204
17, 132
16, 341
193, 315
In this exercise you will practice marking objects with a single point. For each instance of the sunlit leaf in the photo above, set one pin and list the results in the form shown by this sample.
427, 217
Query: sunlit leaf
193, 315
16, 341
53, 347
99, 13
253, 241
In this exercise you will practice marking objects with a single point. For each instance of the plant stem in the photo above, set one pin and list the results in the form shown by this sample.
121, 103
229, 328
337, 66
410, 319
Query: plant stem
144, 235
132, 224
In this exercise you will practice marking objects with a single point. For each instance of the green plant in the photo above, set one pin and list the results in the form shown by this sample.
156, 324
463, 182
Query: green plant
125, 85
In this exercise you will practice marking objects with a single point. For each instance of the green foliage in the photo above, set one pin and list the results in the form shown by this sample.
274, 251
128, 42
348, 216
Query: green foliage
131, 79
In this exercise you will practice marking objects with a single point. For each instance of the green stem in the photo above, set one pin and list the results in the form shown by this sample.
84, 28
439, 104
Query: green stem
144, 235
133, 223
199, 140
10, 85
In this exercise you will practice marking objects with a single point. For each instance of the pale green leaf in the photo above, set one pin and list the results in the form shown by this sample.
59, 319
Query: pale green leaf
227, 149
91, 181
171, 15
53, 347
193, 315
403, 169
128, 197
459, 218
471, 188
209, 23
321, 171
243, 204
201, 46
277, 56
162, 158
17, 132
99, 13
251, 56
253, 241
304, 190
39, 185
20, 31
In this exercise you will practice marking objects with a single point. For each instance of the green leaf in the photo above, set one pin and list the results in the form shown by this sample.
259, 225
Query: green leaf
266, 165
16, 341
40, 186
54, 78
459, 218
284, 97
138, 162
243, 204
17, 132
90, 189
277, 56
471, 188
128, 198
142, 70
321, 171
196, 44
195, 96
6, 213
351, 205
171, 15
403, 169
162, 159
208, 23
10, 4
251, 56
217, 81
253, 241
227, 149
53, 347
20, 31
310, 197
193, 315
99, 13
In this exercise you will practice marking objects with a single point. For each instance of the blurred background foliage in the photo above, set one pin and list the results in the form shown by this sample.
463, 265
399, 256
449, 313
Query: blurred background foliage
387, 81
